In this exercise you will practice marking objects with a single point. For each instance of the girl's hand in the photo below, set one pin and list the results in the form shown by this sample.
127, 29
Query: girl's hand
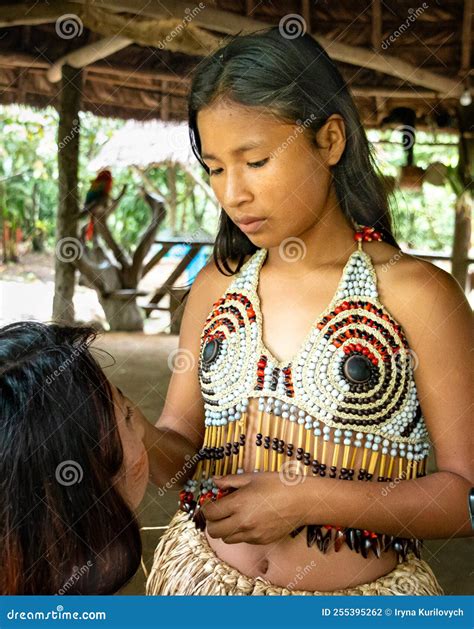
260, 509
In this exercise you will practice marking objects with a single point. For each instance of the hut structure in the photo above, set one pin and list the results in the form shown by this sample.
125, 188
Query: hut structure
133, 59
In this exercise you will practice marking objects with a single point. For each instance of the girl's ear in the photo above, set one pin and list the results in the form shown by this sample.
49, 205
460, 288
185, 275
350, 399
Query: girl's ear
331, 139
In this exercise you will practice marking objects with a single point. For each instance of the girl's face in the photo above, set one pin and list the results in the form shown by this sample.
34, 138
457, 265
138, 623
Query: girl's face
134, 478
261, 167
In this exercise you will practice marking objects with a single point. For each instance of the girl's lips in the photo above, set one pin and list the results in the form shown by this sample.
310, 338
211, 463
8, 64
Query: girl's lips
252, 227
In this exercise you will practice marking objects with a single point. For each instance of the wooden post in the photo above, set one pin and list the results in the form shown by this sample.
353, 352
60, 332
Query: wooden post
462, 238
68, 246
464, 197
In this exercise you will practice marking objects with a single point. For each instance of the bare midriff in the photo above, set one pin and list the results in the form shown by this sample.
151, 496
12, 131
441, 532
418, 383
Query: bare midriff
289, 562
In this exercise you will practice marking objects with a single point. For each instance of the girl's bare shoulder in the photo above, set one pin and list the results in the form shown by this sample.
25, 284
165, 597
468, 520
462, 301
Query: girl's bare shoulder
210, 283
415, 290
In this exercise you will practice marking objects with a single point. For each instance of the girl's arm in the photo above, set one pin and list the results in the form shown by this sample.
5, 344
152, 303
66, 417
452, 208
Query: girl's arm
173, 442
172, 456
432, 507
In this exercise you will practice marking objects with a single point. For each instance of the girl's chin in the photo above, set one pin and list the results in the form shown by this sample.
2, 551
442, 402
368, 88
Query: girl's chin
265, 240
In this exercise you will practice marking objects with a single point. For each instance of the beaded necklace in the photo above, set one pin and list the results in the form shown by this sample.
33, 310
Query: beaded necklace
350, 383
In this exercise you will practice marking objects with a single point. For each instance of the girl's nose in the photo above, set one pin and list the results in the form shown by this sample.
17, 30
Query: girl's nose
235, 192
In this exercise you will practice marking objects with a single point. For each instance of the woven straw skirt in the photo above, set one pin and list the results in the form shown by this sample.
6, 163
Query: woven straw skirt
185, 564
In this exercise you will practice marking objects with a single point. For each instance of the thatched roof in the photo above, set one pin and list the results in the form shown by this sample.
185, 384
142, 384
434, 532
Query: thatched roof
146, 144
138, 55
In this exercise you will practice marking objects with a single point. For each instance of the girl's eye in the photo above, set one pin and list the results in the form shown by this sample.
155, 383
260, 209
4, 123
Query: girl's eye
258, 164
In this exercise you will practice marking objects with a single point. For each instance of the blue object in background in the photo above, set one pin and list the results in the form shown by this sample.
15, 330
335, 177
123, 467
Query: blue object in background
177, 252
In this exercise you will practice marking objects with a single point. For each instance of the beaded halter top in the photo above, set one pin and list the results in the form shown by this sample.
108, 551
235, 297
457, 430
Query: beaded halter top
351, 383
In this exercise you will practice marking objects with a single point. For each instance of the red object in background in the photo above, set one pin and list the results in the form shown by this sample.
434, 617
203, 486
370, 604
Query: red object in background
97, 196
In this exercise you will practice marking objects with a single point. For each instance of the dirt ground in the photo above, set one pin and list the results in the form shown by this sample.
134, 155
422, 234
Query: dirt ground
27, 291
141, 371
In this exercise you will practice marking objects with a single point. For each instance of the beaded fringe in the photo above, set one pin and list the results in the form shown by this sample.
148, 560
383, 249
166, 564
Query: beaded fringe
185, 564
223, 453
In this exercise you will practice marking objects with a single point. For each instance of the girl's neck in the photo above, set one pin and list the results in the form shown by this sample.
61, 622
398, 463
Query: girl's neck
329, 241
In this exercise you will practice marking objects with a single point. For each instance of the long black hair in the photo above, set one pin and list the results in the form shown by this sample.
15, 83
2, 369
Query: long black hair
64, 526
296, 80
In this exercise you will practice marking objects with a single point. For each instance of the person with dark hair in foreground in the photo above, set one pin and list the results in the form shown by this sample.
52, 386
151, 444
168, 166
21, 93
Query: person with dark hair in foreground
73, 466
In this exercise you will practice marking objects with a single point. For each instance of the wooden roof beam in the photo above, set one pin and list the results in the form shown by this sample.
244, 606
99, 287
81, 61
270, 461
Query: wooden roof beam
29, 61
34, 13
231, 23
88, 54
376, 25
466, 39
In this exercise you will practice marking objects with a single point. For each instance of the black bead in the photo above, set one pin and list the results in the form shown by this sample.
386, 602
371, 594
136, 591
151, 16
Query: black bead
357, 368
211, 351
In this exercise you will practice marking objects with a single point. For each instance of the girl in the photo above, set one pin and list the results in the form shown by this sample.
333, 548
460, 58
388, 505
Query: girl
72, 466
324, 370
